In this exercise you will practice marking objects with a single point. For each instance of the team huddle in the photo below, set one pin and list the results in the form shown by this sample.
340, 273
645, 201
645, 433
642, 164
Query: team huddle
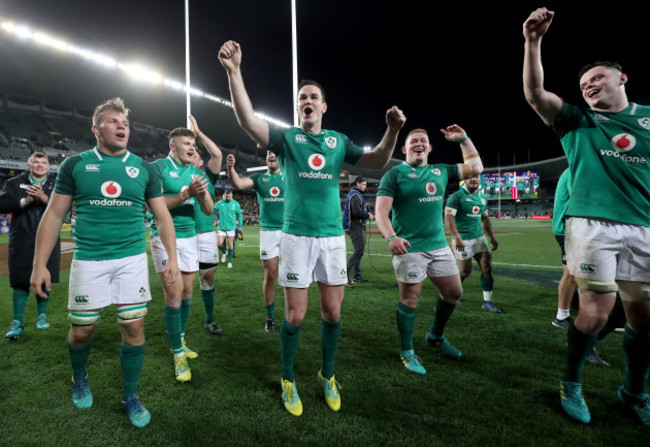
606, 230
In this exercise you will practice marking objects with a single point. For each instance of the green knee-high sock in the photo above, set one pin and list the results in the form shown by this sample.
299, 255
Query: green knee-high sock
288, 346
443, 312
487, 284
637, 361
405, 325
579, 345
230, 252
78, 358
208, 304
19, 298
173, 326
42, 303
223, 247
186, 308
330, 333
131, 359
270, 310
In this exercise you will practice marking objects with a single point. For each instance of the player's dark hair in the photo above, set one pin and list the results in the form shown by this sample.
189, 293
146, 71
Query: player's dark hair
358, 179
181, 132
607, 64
305, 82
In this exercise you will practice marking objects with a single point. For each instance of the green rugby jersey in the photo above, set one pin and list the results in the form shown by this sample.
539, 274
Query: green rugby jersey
608, 155
176, 178
109, 194
561, 202
270, 196
203, 223
418, 194
229, 214
469, 209
311, 164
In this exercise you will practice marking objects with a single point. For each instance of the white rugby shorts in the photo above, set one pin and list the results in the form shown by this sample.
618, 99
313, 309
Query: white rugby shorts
413, 268
603, 250
97, 284
472, 248
305, 259
187, 254
270, 244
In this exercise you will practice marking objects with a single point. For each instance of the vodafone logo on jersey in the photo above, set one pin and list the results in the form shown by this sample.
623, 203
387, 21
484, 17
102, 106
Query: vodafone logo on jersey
275, 191
316, 162
111, 189
431, 188
623, 142
475, 209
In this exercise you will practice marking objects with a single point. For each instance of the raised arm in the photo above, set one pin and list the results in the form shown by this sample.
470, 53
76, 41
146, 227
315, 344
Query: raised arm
472, 161
546, 104
235, 180
216, 156
48, 233
380, 155
230, 57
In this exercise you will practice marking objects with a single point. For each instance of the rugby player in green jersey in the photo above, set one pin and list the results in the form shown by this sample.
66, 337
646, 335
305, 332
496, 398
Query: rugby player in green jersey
608, 227
467, 218
313, 243
205, 234
182, 186
270, 196
109, 186
229, 220
414, 191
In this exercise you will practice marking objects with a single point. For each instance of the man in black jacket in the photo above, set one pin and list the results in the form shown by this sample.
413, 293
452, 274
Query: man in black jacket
25, 197
355, 215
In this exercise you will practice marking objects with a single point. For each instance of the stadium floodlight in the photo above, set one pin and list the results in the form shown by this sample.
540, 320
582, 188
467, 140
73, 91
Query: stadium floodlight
44, 39
141, 73
135, 71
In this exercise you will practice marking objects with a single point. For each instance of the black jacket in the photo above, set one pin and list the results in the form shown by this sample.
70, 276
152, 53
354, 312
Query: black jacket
22, 235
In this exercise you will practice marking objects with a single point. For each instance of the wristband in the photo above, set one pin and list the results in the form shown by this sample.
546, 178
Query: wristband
188, 195
464, 138
392, 237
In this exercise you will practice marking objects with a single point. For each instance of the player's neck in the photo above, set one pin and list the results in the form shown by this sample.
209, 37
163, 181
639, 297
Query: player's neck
177, 160
313, 128
621, 104
111, 151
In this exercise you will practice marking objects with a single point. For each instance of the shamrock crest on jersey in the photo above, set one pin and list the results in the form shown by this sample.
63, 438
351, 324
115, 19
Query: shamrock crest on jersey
132, 171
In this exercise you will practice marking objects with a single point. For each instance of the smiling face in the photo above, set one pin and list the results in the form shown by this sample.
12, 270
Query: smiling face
182, 149
603, 88
311, 107
112, 131
38, 166
272, 162
417, 148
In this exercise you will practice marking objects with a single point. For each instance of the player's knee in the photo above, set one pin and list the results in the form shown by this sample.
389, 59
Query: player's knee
206, 279
131, 313
634, 291
586, 285
84, 317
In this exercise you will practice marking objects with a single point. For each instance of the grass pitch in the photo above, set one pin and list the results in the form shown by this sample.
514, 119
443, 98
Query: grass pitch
503, 392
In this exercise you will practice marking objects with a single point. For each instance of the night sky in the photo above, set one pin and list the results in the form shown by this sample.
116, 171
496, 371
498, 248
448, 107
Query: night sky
461, 64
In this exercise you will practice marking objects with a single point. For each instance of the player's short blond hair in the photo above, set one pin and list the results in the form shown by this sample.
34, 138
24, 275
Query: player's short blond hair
115, 104
38, 154
417, 131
